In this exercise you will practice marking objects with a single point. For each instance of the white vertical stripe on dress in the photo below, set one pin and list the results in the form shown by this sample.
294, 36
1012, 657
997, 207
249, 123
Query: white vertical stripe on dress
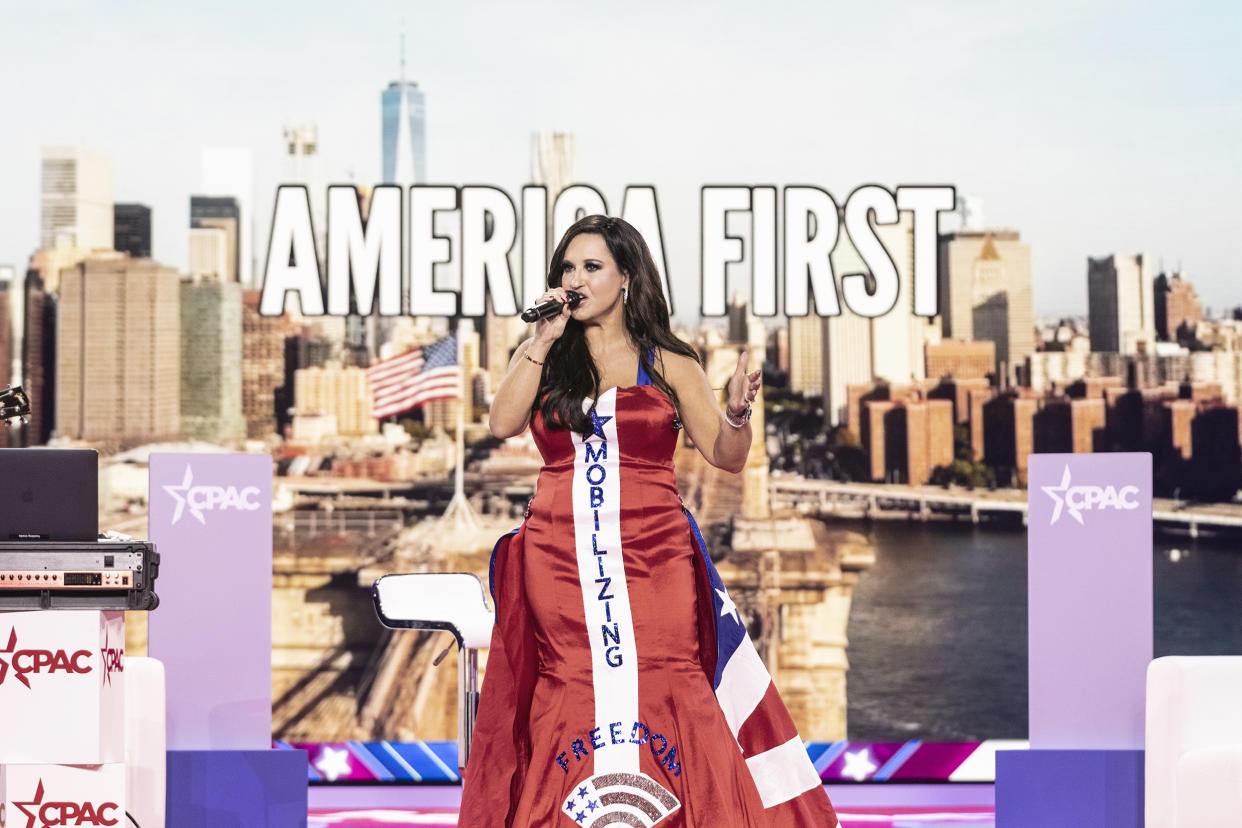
605, 595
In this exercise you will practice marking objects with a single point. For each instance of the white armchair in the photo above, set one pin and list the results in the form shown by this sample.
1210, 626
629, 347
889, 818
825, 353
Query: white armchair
1194, 742
455, 602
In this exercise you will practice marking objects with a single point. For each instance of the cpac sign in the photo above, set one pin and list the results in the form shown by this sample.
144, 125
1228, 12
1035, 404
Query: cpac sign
1078, 499
201, 499
25, 662
40, 814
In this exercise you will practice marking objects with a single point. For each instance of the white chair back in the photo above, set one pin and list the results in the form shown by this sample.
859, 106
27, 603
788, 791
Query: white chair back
145, 743
1193, 726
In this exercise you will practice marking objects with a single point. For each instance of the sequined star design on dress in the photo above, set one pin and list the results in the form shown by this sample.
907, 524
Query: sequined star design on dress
619, 798
598, 423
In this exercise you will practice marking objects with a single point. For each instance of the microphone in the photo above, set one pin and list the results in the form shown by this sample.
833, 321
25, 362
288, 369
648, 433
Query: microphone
551, 307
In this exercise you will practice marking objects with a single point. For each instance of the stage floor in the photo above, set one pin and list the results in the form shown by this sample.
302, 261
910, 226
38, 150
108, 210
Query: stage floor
975, 816
887, 805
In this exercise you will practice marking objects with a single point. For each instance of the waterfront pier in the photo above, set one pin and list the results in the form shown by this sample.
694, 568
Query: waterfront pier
889, 500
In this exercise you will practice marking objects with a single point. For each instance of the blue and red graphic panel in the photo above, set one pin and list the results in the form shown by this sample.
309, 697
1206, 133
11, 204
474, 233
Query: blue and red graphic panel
837, 762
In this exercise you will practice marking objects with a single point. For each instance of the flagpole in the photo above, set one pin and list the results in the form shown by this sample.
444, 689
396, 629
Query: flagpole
459, 488
460, 514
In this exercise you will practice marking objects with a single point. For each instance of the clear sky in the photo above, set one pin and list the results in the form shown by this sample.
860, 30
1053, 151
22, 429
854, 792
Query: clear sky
1090, 127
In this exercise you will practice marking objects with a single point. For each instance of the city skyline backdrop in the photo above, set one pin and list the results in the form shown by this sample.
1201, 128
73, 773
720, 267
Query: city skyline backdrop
1088, 130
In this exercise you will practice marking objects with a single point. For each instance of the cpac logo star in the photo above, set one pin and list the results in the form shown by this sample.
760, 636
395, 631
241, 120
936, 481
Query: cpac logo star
4, 663
112, 659
1078, 499
40, 814
24, 662
201, 499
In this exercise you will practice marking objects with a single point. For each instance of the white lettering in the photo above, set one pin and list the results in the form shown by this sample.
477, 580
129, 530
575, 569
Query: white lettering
364, 259
485, 255
292, 263
719, 248
812, 227
427, 250
926, 203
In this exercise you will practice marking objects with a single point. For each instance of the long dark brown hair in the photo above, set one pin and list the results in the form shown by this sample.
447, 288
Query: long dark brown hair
569, 372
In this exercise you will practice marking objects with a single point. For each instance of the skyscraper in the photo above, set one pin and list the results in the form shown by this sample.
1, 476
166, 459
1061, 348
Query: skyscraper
404, 155
339, 393
11, 368
303, 165
960, 360
77, 201
209, 253
39, 359
552, 158
985, 293
118, 351
131, 229
49, 262
738, 318
967, 214
263, 366
806, 355
1120, 305
403, 129
857, 349
229, 171
897, 336
211, 361
221, 213
1176, 303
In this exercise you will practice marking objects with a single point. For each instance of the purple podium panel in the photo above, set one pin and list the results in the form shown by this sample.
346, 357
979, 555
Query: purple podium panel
211, 520
1089, 568
236, 789
1069, 789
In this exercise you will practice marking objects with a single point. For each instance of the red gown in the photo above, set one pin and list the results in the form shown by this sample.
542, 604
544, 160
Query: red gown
621, 688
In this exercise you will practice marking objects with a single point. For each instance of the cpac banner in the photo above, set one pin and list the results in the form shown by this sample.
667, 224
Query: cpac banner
211, 520
1090, 587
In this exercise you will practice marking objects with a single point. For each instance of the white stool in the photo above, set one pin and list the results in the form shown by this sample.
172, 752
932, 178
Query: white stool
455, 602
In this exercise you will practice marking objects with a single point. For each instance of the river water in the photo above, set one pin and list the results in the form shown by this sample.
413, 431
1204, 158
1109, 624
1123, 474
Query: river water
937, 631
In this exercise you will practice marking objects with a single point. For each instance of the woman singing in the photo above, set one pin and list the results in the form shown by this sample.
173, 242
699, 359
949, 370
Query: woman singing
621, 687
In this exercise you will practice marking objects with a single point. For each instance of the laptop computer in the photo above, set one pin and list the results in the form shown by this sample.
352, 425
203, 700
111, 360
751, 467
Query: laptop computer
49, 494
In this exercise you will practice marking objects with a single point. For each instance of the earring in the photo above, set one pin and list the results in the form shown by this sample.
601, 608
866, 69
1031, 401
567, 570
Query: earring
625, 294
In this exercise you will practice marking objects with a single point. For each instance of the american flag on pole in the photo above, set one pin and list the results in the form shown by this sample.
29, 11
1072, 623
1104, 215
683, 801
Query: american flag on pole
414, 378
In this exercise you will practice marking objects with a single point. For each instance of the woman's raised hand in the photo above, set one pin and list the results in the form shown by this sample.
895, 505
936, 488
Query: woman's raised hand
549, 328
743, 387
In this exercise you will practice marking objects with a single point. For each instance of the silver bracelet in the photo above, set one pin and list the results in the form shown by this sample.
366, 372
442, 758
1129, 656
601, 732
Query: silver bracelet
743, 417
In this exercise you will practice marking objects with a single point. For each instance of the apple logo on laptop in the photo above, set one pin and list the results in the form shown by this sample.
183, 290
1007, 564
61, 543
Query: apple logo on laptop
28, 496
